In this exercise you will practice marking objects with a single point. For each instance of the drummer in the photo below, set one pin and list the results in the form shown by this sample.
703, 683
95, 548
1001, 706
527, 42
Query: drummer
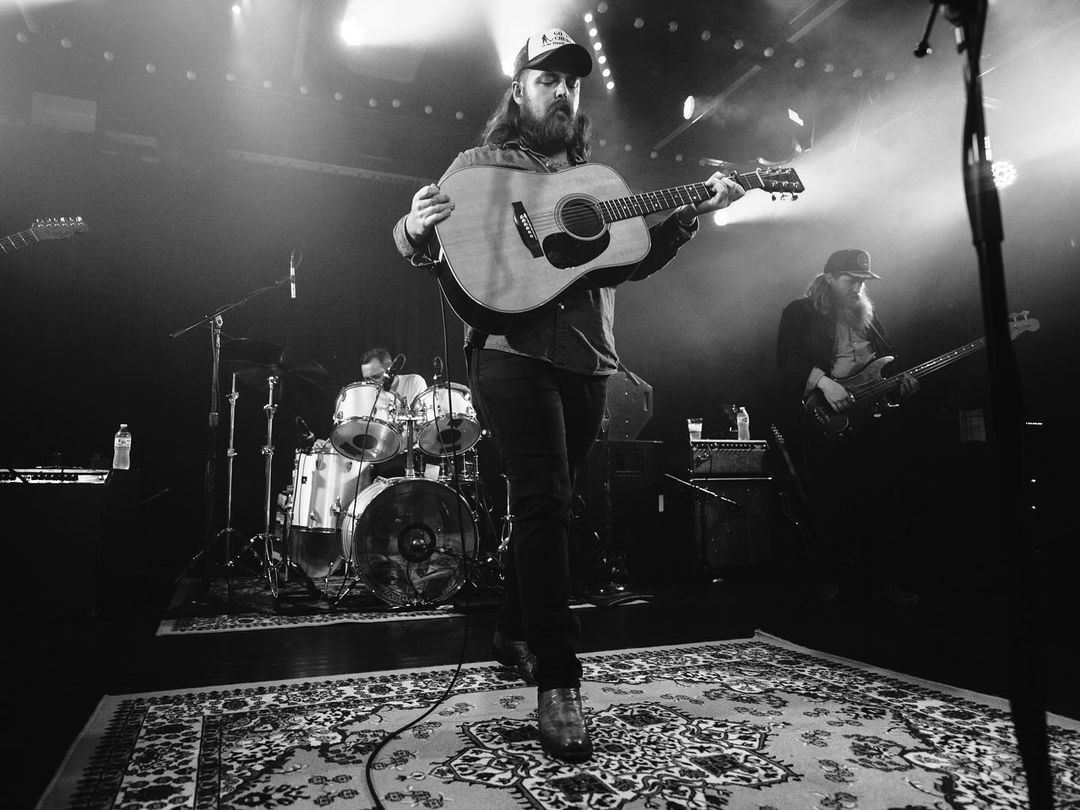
374, 365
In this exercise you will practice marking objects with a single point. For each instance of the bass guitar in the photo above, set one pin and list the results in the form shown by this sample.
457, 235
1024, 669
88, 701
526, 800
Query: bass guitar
869, 388
42, 229
517, 238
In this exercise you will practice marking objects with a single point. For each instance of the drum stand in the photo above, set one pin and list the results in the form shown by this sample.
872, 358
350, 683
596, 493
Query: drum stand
263, 550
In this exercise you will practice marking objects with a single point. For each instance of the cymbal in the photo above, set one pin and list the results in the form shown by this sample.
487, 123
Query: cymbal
256, 360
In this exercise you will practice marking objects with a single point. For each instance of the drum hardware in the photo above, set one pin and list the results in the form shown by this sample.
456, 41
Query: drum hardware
255, 358
448, 419
366, 422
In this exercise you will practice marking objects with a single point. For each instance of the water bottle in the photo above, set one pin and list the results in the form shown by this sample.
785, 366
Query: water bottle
742, 419
121, 459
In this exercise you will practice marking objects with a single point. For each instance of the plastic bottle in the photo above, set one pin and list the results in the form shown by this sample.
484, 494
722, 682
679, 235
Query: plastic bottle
742, 419
121, 459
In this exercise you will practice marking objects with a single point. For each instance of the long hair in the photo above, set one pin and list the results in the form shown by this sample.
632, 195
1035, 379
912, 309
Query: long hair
505, 124
824, 300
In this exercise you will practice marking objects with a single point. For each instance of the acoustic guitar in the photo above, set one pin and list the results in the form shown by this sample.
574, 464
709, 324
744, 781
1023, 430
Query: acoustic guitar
41, 230
869, 388
517, 238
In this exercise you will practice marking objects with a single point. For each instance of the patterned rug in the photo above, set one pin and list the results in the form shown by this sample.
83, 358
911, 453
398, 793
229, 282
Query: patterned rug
298, 604
756, 723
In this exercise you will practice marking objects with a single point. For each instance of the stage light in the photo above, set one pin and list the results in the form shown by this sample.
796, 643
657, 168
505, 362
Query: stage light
596, 46
151, 67
66, 42
592, 32
1004, 173
191, 75
639, 23
800, 62
605, 72
588, 17
829, 67
794, 116
688, 108
738, 44
236, 10
706, 35
351, 33
768, 52
108, 56
610, 85
601, 60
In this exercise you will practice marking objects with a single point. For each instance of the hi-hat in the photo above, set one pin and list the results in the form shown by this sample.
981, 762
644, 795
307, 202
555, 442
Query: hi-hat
256, 360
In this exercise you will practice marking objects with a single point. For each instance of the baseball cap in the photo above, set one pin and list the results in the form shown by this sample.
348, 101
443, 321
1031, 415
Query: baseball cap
553, 49
850, 262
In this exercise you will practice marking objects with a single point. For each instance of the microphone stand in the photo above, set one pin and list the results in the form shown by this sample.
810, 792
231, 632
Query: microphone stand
215, 320
1026, 698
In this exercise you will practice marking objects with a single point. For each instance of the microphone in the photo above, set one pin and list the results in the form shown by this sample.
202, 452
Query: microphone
294, 262
392, 372
437, 369
304, 434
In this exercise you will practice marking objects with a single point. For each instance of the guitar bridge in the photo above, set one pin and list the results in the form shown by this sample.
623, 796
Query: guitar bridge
525, 230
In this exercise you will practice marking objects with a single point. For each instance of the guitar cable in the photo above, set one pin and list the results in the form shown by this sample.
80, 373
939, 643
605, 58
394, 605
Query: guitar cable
464, 567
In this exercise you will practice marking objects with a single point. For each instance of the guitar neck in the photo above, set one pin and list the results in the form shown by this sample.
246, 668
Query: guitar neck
888, 384
650, 202
9, 244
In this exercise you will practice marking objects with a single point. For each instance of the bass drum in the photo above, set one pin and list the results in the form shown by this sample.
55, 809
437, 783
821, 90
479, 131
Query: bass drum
410, 540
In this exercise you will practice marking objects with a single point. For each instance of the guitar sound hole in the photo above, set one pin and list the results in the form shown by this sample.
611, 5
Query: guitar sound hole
581, 218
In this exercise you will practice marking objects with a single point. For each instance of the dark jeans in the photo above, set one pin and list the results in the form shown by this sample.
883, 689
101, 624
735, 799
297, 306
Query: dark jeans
543, 421
855, 493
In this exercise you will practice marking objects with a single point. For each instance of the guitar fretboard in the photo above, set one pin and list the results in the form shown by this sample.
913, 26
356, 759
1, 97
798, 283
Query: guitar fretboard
665, 199
15, 241
884, 386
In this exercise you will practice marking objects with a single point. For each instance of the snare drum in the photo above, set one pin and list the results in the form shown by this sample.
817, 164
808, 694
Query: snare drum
366, 422
324, 485
410, 539
448, 423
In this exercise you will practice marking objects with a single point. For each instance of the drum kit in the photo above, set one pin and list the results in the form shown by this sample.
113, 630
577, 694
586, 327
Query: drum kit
409, 539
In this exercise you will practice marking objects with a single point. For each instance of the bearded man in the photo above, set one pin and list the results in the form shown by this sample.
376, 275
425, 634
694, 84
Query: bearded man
540, 391
828, 335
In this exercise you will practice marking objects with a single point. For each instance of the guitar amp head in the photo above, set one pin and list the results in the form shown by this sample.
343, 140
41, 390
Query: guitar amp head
713, 457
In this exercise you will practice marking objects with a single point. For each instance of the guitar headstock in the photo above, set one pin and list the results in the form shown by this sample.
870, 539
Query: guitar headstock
1020, 322
782, 183
777, 435
58, 227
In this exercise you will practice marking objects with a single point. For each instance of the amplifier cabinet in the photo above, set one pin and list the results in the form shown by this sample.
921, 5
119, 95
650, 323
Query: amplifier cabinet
736, 534
70, 539
712, 457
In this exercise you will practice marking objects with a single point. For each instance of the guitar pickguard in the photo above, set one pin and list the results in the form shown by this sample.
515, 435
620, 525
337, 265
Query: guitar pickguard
564, 251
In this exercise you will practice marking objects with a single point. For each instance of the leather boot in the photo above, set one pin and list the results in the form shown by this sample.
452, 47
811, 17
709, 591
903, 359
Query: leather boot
562, 725
515, 654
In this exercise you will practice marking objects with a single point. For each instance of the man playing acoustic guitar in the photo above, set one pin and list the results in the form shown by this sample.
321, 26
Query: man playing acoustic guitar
540, 388
830, 334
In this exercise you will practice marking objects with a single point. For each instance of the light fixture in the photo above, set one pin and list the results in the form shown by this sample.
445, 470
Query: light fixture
1004, 173
688, 108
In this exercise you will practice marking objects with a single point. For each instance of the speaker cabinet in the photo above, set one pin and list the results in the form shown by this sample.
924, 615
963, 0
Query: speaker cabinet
736, 530
622, 499
71, 540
